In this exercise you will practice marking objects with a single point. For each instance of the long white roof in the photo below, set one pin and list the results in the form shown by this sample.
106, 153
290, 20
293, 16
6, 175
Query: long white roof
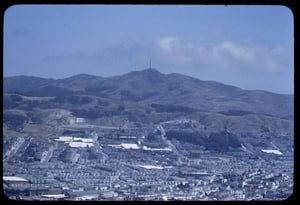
14, 178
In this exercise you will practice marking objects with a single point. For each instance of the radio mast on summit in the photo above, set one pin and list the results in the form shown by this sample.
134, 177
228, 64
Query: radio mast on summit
150, 62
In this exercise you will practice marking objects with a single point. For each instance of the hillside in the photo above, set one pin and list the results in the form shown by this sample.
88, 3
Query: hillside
150, 86
203, 113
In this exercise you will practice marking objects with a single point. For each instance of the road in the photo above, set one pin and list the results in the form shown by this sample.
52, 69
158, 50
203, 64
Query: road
181, 158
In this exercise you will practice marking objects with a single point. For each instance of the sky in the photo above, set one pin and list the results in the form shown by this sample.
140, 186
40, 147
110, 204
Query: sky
251, 47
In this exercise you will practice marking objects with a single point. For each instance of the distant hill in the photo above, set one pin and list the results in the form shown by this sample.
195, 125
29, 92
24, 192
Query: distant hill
152, 87
23, 84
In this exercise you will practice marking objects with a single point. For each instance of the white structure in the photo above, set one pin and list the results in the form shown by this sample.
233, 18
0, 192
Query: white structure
76, 141
14, 178
272, 151
79, 120
129, 146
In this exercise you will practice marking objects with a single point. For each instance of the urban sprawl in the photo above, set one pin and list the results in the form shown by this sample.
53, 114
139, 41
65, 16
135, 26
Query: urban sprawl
89, 162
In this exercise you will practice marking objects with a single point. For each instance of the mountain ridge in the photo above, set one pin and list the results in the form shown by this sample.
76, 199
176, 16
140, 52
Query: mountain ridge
147, 71
150, 86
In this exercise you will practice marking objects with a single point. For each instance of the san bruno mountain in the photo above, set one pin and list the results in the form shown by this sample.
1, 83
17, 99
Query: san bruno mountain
152, 87
213, 114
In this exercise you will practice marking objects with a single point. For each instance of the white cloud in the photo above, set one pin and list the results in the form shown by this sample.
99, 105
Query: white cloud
230, 54
177, 51
172, 54
236, 52
168, 44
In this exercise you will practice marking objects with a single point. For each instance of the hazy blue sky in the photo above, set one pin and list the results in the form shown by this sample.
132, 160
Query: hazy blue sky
247, 46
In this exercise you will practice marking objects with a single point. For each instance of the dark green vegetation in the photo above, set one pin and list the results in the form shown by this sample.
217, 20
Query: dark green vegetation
219, 141
14, 119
